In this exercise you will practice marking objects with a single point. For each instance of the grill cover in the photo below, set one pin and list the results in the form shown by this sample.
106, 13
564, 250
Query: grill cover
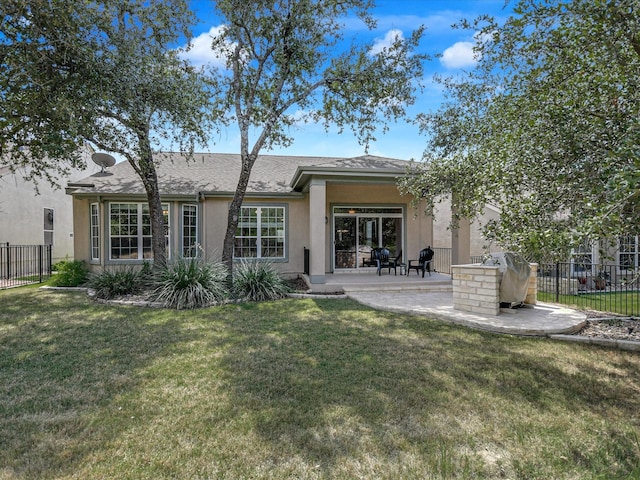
515, 276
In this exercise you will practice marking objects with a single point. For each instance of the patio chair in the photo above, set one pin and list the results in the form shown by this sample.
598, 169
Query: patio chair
423, 263
381, 256
371, 261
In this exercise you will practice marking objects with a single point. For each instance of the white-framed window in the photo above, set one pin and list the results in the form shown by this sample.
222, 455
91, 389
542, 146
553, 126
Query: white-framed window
583, 259
48, 226
95, 231
130, 231
628, 252
189, 231
261, 233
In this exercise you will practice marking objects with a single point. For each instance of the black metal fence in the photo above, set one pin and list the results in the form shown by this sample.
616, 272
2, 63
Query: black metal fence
602, 287
442, 260
24, 264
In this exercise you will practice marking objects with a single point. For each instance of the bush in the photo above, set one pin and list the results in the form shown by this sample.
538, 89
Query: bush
59, 265
70, 274
258, 281
185, 283
121, 281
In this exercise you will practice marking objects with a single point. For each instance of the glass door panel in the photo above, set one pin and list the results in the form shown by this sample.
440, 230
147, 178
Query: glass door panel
368, 238
345, 242
392, 235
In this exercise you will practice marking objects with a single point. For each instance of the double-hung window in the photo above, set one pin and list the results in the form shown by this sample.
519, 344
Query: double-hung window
130, 231
628, 252
261, 233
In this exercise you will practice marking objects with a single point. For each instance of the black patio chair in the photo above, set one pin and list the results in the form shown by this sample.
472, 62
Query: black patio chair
381, 256
423, 263
371, 261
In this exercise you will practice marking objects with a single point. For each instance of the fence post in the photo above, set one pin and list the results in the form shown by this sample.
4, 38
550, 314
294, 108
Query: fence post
40, 247
49, 259
557, 282
8, 261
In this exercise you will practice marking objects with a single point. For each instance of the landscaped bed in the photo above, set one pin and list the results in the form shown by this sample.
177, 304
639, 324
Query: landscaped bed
300, 388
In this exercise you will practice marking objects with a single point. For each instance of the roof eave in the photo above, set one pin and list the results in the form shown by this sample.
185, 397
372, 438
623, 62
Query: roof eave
303, 174
230, 194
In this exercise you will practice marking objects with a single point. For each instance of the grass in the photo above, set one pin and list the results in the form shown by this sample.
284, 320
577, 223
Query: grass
623, 303
304, 389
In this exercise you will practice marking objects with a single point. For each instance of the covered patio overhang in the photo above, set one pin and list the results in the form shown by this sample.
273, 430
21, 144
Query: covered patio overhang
318, 180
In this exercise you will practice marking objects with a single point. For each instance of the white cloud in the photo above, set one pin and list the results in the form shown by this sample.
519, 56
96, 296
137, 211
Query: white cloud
201, 53
381, 43
459, 55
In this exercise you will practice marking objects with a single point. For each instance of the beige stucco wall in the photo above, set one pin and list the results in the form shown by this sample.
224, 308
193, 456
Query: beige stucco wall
81, 233
214, 215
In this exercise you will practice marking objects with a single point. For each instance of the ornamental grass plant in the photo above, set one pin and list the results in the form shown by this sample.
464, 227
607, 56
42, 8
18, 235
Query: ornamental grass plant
191, 283
258, 281
114, 282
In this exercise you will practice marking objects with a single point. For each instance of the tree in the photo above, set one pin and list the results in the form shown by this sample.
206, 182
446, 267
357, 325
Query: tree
102, 72
547, 126
288, 64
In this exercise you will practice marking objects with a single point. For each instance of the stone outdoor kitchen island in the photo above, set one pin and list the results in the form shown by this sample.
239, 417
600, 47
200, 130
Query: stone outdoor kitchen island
476, 288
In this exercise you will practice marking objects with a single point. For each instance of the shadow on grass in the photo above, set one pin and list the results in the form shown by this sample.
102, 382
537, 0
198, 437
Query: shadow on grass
327, 380
299, 389
63, 363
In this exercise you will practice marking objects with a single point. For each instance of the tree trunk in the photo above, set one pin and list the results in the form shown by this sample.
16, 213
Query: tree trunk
147, 171
234, 214
158, 239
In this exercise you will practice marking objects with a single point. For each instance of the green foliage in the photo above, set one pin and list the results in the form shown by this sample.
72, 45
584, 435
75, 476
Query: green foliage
117, 281
56, 267
188, 284
546, 127
105, 73
70, 274
258, 281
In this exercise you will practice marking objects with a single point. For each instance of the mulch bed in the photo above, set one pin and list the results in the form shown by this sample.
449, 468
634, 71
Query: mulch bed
605, 326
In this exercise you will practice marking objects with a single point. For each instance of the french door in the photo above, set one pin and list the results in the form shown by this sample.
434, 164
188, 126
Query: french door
359, 230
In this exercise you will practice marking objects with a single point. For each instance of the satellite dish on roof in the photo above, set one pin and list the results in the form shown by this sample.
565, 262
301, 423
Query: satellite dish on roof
103, 160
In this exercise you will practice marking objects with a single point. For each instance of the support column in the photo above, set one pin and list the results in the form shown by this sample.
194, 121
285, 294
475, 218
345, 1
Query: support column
460, 239
317, 230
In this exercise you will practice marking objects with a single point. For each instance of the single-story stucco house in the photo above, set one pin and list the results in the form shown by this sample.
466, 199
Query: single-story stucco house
335, 209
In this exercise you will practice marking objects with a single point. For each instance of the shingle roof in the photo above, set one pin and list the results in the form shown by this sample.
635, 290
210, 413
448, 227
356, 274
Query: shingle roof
219, 172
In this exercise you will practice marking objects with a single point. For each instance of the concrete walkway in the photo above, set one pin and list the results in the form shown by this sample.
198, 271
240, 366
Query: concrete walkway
542, 319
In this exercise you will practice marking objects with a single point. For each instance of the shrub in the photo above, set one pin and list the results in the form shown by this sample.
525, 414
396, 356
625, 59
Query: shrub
70, 274
186, 283
121, 281
258, 281
59, 265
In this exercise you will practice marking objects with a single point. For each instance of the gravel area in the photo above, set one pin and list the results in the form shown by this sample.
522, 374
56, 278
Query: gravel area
618, 328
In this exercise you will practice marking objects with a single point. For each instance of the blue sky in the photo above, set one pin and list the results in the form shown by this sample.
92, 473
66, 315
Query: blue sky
403, 140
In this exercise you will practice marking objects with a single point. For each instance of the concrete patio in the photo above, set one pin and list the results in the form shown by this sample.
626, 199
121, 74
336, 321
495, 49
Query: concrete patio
432, 296
370, 281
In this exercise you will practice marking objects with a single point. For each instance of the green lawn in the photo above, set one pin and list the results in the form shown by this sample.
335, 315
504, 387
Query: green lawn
627, 303
301, 389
